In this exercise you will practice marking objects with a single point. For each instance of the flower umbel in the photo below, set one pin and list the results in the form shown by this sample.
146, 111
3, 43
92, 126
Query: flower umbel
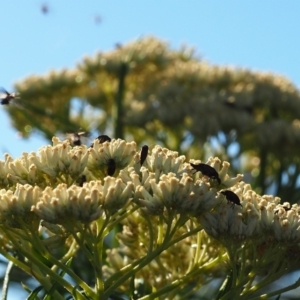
208, 219
101, 154
15, 207
62, 204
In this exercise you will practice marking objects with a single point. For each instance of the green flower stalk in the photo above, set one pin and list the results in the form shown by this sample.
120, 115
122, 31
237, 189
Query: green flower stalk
160, 230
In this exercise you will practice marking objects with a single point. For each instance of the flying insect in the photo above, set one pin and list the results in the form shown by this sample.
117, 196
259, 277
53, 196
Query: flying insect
44, 9
75, 138
6, 97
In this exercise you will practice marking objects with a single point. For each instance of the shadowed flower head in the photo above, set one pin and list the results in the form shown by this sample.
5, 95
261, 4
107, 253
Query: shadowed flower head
15, 207
115, 192
62, 204
117, 151
58, 162
259, 216
181, 195
62, 157
163, 161
4, 170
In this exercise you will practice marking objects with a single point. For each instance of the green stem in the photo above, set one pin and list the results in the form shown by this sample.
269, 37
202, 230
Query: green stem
160, 235
151, 233
246, 277
119, 217
231, 250
6, 280
43, 251
268, 280
102, 228
261, 179
135, 267
191, 232
278, 292
97, 255
45, 281
16, 262
146, 260
245, 283
36, 242
94, 255
123, 271
81, 243
118, 118
178, 282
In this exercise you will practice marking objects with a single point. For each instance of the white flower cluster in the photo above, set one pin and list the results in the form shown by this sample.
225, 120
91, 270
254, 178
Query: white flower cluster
15, 207
258, 216
164, 183
55, 162
181, 195
117, 151
63, 204
116, 193
163, 161
54, 202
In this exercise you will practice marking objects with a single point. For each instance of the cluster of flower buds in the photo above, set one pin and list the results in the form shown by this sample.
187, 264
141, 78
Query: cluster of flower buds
163, 183
66, 205
109, 157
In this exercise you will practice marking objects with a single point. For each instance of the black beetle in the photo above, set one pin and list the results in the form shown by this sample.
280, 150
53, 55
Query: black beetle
102, 139
207, 170
82, 180
111, 167
232, 197
144, 153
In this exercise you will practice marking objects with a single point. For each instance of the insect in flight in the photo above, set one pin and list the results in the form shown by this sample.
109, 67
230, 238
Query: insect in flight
6, 97
97, 19
111, 167
44, 9
144, 153
206, 170
75, 138
232, 197
102, 139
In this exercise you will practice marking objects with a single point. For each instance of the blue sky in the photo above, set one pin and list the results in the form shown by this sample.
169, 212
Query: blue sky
261, 35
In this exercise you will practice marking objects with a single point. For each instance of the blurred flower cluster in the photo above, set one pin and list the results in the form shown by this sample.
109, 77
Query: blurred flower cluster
176, 228
164, 88
175, 98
